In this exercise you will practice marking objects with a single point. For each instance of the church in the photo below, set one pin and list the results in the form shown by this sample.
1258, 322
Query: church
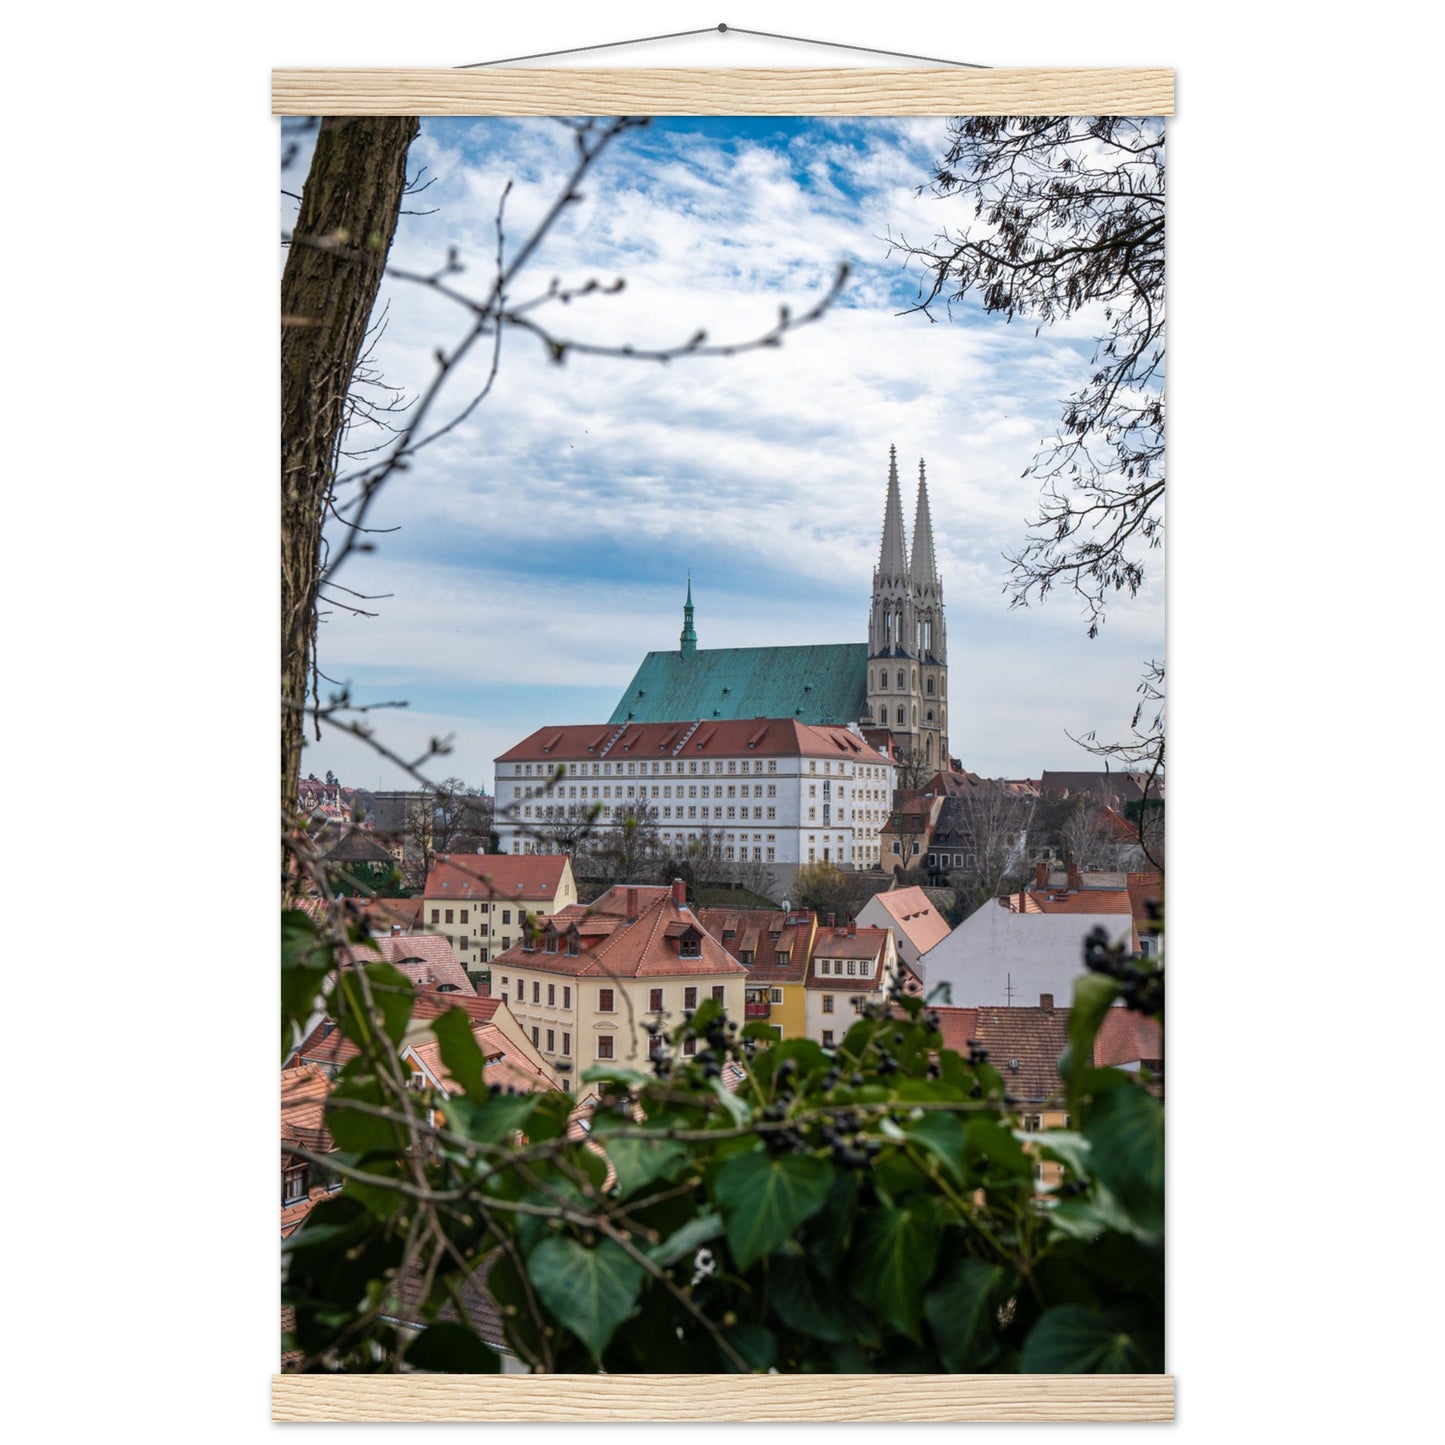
895, 681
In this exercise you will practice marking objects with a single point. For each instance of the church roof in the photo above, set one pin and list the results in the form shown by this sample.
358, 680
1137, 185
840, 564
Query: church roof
821, 684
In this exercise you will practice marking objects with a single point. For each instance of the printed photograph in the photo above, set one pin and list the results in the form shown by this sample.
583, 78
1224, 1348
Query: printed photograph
722, 712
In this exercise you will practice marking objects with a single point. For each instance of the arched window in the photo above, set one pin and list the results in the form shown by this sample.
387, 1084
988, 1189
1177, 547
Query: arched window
900, 717
883, 679
901, 684
915, 714
930, 690
929, 715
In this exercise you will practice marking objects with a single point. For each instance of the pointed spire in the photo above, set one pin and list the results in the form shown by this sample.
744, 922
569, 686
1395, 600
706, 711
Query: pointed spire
892, 560
925, 569
688, 637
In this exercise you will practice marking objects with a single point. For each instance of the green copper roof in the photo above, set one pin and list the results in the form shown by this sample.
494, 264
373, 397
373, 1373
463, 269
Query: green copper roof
821, 684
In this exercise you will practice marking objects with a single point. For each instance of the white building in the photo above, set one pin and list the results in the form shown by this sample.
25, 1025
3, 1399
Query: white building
765, 790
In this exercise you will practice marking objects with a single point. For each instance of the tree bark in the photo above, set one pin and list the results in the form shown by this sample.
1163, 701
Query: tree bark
333, 271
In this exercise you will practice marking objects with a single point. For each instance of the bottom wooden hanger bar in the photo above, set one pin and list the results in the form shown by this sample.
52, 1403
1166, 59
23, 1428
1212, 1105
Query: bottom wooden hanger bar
296, 1398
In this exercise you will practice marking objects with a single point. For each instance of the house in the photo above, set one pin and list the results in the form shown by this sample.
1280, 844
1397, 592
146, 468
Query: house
304, 1091
428, 961
917, 925
762, 790
905, 837
776, 948
585, 983
1031, 942
478, 901
852, 967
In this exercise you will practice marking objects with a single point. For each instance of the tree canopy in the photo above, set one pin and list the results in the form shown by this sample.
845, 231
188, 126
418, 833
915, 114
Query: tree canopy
1068, 219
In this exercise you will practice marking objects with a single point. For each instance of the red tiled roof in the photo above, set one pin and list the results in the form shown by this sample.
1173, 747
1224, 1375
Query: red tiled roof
868, 944
427, 959
914, 913
304, 1091
640, 949
764, 934
1126, 1037
1083, 900
1024, 1045
1144, 888
504, 1065
958, 1026
721, 737
530, 877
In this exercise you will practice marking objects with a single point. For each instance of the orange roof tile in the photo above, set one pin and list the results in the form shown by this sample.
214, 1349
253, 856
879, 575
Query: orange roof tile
721, 737
530, 877
913, 912
958, 1026
1126, 1037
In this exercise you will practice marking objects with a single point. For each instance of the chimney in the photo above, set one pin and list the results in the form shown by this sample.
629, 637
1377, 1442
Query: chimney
395, 929
1041, 874
832, 920
852, 926
1073, 874
632, 905
1046, 1002
679, 892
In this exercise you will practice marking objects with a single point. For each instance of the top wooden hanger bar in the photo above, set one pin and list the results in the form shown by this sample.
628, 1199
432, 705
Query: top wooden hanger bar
722, 92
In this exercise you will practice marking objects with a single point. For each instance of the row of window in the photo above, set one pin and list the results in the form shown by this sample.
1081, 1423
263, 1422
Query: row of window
606, 997
692, 766
440, 915
856, 967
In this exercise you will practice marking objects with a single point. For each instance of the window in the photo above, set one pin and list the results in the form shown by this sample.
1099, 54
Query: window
552, 990
551, 1042
536, 991
604, 1004
566, 995
717, 992
689, 998
853, 967
504, 980
463, 942
465, 913
827, 1038
295, 1183
535, 1039
827, 1003
654, 1000
689, 946
449, 915
506, 915
775, 995
436, 915
567, 1044
604, 1046
689, 1047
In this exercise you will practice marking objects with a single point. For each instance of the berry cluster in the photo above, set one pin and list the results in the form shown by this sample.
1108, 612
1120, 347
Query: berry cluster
1140, 986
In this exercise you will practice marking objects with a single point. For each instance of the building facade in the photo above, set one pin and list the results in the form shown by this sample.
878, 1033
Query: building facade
478, 901
764, 790
851, 968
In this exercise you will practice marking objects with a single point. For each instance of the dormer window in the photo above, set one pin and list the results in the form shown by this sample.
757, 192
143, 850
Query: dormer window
572, 945
551, 942
689, 946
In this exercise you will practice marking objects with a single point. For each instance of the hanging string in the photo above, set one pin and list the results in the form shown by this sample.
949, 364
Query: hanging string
723, 30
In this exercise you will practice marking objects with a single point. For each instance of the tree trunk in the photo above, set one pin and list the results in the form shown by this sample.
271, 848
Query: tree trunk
333, 271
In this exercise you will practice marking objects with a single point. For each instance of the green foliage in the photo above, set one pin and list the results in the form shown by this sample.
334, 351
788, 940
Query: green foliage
873, 1207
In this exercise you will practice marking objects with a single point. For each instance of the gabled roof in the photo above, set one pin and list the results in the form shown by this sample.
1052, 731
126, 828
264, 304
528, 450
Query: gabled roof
1024, 1045
304, 1091
824, 683
356, 845
504, 1066
640, 949
914, 915
765, 933
1112, 901
690, 737
427, 959
868, 944
486, 877
958, 1026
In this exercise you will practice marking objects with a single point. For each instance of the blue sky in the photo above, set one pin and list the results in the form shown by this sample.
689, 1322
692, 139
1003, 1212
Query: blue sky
543, 547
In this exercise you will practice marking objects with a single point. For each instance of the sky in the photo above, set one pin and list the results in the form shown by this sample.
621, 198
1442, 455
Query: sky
531, 557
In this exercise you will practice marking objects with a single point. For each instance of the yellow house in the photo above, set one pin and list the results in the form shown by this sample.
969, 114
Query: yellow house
776, 948
479, 900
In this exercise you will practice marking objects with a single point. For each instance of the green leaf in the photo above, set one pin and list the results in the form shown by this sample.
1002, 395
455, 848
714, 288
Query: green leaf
962, 1310
942, 1135
1094, 993
894, 1256
499, 1117
607, 1074
685, 1242
393, 995
458, 1046
764, 1198
305, 962
1071, 1340
639, 1161
451, 1348
757, 1344
805, 1304
1125, 1126
591, 1291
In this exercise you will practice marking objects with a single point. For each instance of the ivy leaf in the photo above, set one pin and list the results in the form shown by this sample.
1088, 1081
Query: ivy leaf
1094, 994
393, 995
1072, 1340
894, 1257
1125, 1126
451, 1348
962, 1310
460, 1053
763, 1199
805, 1304
686, 1241
639, 1161
591, 1291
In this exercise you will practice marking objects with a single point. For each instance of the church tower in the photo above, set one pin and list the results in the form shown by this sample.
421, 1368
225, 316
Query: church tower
907, 649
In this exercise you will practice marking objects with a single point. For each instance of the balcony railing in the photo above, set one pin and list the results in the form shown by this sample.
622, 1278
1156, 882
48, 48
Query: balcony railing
757, 1009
